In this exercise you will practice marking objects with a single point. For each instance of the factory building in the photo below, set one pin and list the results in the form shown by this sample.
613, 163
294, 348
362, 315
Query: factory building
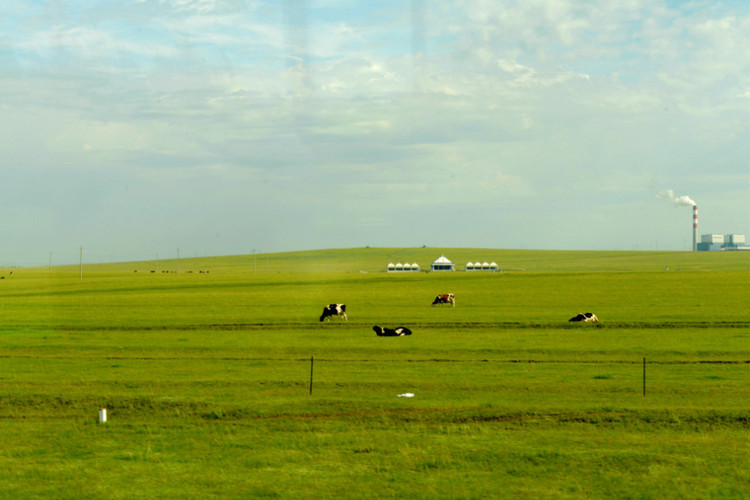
718, 242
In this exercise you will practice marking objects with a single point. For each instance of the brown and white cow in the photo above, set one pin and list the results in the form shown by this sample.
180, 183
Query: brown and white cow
445, 298
334, 310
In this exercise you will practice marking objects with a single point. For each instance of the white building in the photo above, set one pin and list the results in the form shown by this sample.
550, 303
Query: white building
481, 266
442, 264
714, 242
735, 239
712, 238
402, 267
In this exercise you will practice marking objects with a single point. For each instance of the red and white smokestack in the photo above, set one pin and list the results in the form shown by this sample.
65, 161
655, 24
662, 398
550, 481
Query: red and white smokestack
695, 228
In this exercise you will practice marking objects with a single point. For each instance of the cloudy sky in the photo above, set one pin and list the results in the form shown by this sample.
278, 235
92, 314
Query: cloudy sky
139, 127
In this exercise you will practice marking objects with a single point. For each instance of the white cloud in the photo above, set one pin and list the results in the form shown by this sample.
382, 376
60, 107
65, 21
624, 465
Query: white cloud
482, 106
195, 6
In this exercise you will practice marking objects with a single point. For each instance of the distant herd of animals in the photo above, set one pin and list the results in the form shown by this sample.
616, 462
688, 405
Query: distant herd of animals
339, 310
166, 271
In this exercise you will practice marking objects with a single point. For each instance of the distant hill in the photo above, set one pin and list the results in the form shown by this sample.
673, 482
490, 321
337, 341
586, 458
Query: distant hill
373, 260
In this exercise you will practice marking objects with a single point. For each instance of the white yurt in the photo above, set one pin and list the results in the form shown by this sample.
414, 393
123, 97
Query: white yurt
442, 264
481, 266
402, 267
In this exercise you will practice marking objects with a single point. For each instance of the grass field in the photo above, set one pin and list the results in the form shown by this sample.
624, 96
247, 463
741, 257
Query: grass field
205, 365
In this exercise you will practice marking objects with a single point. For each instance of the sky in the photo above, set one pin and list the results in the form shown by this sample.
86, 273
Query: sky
132, 129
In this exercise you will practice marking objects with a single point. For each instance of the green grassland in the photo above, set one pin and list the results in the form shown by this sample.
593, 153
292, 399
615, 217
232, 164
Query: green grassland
220, 381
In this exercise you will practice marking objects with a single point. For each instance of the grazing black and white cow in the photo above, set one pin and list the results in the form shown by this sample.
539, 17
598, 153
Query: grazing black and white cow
585, 317
334, 310
391, 332
445, 298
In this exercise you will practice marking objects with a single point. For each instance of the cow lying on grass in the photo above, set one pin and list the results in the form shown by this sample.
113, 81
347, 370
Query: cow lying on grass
334, 310
445, 298
391, 332
585, 317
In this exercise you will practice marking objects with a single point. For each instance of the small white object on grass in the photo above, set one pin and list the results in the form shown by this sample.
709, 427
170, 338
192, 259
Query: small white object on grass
102, 415
406, 395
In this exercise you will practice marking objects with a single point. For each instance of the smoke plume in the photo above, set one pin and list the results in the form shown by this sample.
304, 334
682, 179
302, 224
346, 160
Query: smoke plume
683, 201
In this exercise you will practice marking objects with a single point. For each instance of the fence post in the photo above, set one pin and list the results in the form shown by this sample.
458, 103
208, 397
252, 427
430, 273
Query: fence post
311, 373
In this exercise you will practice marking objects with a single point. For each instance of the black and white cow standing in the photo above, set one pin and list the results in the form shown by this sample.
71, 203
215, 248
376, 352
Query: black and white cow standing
334, 310
585, 317
391, 332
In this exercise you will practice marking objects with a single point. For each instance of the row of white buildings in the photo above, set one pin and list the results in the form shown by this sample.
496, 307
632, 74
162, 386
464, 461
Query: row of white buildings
442, 263
392, 268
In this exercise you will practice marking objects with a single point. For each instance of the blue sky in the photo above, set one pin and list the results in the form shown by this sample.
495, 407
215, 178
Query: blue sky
134, 128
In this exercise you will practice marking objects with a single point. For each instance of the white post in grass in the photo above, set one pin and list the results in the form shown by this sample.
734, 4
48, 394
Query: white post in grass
311, 374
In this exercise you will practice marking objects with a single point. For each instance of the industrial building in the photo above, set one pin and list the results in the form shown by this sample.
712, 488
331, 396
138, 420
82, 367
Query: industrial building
719, 242
716, 242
